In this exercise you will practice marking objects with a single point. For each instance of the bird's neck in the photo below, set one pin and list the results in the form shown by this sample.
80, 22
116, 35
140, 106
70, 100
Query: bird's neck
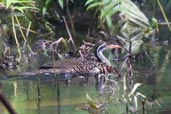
103, 59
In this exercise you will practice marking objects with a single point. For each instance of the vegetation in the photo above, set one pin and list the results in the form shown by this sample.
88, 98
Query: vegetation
122, 21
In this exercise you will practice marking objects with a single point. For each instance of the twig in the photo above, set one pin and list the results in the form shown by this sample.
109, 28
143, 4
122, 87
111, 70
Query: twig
28, 29
70, 18
24, 37
32, 31
16, 39
164, 23
70, 37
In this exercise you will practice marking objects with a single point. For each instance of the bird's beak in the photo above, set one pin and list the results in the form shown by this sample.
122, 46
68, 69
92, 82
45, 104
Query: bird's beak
113, 46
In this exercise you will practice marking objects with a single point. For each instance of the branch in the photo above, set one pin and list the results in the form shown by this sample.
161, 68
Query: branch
70, 37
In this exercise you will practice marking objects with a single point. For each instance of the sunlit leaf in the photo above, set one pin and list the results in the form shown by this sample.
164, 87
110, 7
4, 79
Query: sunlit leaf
61, 3
8, 3
44, 11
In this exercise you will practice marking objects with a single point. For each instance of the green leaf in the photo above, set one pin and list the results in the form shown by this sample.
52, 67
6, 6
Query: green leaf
19, 2
47, 3
109, 21
44, 11
8, 3
134, 12
138, 36
93, 5
139, 17
89, 1
21, 9
61, 3
112, 4
137, 22
110, 9
110, 12
106, 2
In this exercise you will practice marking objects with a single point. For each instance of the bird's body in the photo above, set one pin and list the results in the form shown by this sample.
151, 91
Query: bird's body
79, 66
74, 67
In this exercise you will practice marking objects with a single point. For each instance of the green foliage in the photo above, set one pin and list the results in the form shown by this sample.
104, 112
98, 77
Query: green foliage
44, 10
132, 26
47, 2
106, 8
126, 7
20, 5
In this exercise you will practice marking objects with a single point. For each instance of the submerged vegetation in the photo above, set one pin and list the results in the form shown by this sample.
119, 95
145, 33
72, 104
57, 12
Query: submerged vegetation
33, 30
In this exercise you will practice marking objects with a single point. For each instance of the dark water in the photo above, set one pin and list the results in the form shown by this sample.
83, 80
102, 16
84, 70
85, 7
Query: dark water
58, 98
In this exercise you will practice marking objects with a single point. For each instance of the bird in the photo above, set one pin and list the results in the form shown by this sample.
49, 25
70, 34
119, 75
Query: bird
79, 66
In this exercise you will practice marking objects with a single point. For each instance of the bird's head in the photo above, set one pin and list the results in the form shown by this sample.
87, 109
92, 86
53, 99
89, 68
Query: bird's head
99, 48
